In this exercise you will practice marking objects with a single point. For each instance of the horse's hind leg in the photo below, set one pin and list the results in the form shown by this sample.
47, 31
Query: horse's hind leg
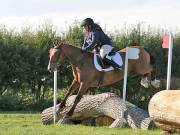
82, 90
74, 85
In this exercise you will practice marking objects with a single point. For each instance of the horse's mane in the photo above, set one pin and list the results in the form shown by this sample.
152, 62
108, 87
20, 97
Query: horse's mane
64, 44
77, 48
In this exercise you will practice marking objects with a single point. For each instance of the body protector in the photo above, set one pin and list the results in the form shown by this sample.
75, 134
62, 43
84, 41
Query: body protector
98, 40
95, 39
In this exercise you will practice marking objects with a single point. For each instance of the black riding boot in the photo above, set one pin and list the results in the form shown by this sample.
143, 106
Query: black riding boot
112, 63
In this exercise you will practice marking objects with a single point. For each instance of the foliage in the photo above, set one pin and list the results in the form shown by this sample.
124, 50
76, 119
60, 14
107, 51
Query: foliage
25, 81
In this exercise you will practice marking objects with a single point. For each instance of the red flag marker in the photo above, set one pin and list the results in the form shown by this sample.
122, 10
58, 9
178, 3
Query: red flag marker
168, 43
165, 41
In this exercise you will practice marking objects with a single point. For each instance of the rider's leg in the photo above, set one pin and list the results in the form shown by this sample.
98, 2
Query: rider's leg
104, 51
108, 60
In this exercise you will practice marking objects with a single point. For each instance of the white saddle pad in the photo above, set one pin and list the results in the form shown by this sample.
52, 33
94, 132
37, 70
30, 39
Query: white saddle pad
117, 58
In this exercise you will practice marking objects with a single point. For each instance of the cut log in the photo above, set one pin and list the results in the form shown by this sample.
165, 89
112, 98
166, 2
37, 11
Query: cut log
101, 109
164, 109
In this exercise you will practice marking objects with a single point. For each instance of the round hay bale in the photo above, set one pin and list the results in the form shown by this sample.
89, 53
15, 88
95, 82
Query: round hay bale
164, 108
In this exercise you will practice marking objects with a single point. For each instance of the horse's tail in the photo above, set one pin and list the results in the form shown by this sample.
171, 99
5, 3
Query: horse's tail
152, 59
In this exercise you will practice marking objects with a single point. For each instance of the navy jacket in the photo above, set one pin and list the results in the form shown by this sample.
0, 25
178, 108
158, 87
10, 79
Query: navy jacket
95, 39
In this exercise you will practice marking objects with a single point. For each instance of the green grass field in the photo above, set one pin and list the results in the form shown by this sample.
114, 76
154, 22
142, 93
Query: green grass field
30, 124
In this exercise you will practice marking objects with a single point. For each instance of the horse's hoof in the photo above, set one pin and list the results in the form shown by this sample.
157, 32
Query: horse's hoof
65, 121
156, 83
61, 105
59, 110
145, 82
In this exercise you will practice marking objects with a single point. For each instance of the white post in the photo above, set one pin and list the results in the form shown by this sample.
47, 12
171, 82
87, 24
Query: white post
169, 62
55, 93
131, 53
125, 83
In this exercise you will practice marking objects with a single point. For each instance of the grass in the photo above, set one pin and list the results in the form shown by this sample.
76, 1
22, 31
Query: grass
30, 124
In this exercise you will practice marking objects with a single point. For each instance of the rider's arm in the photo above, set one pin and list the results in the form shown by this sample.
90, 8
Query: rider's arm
91, 42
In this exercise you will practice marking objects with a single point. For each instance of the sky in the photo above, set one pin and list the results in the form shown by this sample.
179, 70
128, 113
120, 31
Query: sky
110, 14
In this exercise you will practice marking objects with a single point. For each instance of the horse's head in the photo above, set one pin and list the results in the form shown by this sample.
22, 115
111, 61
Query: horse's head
55, 55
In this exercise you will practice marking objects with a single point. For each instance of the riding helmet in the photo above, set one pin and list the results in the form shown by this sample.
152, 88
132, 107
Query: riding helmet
87, 21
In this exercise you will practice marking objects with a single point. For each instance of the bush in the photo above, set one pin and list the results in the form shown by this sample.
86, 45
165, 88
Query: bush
24, 60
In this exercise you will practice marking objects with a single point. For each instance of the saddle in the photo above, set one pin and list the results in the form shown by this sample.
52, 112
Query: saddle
100, 65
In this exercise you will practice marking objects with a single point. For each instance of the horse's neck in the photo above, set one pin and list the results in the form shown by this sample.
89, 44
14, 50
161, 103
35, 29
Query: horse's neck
72, 53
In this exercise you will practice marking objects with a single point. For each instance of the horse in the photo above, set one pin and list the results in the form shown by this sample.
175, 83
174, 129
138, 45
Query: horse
86, 75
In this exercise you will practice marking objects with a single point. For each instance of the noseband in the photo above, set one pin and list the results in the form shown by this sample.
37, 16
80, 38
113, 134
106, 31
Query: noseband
57, 48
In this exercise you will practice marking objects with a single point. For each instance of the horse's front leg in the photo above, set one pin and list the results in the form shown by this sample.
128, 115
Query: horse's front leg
82, 90
74, 85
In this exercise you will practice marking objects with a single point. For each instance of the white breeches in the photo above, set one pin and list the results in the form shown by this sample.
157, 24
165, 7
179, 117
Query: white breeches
105, 49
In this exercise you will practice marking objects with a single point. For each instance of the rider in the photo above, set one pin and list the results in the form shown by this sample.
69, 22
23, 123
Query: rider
96, 39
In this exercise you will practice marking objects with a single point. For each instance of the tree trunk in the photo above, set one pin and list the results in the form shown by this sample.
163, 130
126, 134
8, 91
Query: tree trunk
164, 108
102, 109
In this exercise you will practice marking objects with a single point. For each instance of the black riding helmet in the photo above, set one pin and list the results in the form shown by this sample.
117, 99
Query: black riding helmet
87, 21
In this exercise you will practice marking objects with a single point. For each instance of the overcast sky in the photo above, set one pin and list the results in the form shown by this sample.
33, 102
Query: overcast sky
110, 13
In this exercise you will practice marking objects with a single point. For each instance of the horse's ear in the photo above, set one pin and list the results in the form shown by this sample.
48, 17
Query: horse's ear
56, 42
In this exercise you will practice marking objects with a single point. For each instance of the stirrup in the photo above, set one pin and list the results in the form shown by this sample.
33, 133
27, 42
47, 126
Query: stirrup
117, 67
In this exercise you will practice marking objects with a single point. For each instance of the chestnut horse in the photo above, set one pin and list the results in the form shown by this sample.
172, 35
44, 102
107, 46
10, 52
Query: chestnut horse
86, 75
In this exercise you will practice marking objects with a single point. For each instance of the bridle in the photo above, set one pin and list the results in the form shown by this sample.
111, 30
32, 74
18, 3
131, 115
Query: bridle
58, 55
59, 47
